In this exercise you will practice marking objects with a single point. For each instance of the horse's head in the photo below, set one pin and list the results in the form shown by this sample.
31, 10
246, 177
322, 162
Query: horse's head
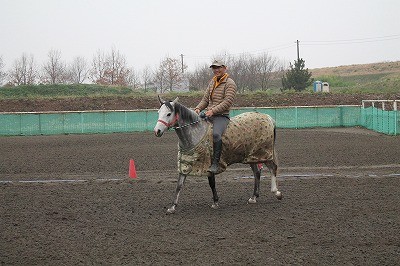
167, 116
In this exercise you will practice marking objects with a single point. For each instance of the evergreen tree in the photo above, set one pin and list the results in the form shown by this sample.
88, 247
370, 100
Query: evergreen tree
297, 77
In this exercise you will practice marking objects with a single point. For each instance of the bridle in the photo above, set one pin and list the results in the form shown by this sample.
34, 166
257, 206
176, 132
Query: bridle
173, 122
168, 125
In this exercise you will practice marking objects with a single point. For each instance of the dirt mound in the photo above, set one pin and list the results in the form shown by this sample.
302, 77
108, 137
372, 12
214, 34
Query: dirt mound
151, 102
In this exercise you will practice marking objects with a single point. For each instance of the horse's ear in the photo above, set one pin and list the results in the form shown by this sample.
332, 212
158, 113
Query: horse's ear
161, 100
176, 100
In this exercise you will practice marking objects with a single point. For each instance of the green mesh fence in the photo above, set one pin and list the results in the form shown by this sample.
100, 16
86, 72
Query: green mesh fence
387, 122
52, 123
306, 117
76, 122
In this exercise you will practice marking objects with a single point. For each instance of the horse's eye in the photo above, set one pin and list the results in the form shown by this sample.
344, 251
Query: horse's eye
169, 114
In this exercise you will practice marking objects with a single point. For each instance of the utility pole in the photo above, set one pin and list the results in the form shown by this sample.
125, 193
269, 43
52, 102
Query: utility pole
182, 61
298, 54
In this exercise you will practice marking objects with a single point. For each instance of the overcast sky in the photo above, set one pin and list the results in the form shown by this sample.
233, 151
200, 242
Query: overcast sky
331, 33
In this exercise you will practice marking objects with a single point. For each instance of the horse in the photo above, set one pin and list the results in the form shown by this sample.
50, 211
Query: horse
239, 146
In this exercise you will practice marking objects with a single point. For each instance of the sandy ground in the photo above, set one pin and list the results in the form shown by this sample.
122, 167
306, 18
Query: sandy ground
341, 203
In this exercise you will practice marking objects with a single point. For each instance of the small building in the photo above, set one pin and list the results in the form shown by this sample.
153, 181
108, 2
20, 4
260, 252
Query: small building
320, 86
317, 86
325, 87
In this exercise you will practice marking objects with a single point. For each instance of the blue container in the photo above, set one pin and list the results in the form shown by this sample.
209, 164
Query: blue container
317, 86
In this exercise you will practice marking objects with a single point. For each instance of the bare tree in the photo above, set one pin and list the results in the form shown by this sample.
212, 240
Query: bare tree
133, 78
117, 70
78, 70
146, 78
2, 73
54, 70
199, 79
171, 72
238, 71
98, 68
268, 66
23, 71
252, 72
110, 69
159, 79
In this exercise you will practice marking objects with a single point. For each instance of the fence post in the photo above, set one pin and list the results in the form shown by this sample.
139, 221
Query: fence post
341, 116
20, 124
40, 124
395, 121
82, 130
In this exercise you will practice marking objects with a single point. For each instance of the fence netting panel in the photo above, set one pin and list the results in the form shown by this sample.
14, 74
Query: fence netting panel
144, 120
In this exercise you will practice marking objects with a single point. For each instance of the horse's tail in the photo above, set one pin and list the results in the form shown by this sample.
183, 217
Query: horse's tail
275, 155
274, 125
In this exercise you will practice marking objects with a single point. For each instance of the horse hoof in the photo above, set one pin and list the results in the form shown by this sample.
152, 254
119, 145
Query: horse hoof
252, 200
278, 195
171, 210
215, 206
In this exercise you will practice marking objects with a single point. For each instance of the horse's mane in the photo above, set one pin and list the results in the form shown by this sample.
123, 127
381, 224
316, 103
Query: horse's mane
184, 112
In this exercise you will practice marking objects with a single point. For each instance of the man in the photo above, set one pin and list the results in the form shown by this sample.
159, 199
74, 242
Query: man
218, 99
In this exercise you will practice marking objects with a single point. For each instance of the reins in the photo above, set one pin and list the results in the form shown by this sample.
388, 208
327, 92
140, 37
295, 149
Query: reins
176, 119
179, 127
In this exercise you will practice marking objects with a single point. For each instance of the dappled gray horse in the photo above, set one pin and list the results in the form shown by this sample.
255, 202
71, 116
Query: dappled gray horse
249, 138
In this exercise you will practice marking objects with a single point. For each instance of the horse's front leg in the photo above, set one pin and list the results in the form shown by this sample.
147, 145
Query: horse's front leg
211, 182
181, 181
257, 176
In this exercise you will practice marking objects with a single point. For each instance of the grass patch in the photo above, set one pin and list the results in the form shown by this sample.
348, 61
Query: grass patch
61, 91
370, 83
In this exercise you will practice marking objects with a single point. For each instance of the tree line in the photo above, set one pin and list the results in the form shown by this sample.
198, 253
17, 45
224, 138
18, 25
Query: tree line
110, 68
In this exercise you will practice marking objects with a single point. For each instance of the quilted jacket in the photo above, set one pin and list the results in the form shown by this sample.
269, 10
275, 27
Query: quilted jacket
219, 96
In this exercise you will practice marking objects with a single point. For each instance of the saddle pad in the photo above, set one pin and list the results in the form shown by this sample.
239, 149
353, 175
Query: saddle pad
249, 138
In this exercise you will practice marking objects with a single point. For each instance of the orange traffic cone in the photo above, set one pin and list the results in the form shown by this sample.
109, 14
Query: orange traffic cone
132, 169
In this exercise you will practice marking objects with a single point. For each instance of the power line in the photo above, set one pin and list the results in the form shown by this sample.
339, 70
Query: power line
352, 41
307, 43
271, 49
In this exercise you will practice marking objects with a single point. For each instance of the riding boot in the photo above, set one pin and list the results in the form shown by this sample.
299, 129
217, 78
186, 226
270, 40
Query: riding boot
217, 147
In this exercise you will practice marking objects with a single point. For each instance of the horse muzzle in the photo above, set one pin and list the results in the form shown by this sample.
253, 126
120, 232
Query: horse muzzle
158, 132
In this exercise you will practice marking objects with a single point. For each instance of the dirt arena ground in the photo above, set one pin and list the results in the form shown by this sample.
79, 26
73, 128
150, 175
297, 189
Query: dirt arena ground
67, 200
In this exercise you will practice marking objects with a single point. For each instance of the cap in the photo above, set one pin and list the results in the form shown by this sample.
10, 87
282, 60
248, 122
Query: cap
217, 63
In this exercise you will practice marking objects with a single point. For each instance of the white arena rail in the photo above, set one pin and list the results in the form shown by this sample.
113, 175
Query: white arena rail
382, 102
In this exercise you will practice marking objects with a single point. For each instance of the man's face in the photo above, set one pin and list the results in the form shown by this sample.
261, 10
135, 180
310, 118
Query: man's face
219, 71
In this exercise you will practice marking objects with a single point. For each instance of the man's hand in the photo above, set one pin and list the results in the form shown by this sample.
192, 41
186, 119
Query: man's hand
209, 113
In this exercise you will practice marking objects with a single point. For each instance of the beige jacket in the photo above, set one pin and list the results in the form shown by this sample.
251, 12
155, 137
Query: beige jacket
220, 99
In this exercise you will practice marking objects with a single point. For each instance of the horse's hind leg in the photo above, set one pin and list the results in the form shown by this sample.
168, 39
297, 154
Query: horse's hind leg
211, 182
274, 187
257, 176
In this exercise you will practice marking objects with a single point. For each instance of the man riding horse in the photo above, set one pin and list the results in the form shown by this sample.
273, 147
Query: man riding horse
218, 99
248, 138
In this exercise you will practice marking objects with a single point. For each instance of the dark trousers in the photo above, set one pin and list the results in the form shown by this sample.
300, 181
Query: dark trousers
219, 125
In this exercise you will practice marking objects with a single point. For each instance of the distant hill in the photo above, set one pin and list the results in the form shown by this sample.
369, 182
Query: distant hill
356, 70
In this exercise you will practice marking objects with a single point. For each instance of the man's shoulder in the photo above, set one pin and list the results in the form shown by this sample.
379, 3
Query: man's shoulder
230, 81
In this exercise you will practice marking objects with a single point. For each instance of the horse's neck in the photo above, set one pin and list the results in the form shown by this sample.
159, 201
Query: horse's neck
190, 132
